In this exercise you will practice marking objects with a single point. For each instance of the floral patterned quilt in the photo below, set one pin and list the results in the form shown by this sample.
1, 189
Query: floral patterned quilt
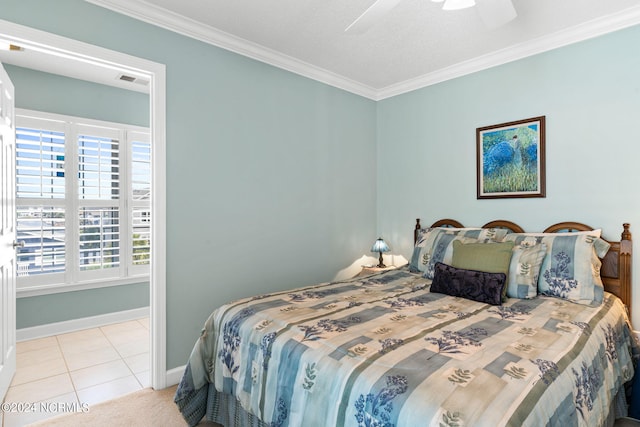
385, 351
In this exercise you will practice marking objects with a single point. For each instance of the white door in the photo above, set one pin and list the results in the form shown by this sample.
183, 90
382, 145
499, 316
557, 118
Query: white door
7, 234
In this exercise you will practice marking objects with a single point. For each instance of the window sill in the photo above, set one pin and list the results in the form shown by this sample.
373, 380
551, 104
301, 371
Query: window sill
38, 290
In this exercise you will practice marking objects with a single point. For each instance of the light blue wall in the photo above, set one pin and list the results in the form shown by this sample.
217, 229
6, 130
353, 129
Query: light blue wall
40, 91
52, 93
270, 176
46, 309
590, 95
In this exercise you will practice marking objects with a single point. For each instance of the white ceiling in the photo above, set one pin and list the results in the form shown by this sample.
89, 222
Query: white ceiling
414, 45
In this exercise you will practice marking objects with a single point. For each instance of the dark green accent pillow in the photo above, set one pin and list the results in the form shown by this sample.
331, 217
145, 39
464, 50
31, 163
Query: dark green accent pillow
487, 257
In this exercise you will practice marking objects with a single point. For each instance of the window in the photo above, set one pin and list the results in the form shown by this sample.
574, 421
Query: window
140, 196
82, 200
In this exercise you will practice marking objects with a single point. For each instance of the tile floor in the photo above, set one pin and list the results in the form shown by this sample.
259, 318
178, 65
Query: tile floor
87, 367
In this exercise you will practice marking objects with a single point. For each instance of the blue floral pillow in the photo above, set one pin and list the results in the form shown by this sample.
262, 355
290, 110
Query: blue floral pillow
524, 270
571, 267
435, 245
470, 284
423, 248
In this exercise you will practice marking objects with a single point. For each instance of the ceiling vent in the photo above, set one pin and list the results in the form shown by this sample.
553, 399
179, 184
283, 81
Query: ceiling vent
132, 79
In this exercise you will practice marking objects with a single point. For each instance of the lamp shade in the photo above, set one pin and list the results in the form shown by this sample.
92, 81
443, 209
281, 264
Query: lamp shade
380, 246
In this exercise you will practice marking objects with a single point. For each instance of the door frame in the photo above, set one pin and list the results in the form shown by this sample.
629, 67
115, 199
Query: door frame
74, 50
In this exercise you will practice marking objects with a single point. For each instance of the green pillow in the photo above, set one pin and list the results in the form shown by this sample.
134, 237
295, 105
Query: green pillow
487, 257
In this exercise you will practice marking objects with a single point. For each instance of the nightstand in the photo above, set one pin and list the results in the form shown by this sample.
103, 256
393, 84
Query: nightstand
367, 270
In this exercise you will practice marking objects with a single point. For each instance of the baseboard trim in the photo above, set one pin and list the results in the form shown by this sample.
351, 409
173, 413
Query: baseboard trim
175, 375
73, 325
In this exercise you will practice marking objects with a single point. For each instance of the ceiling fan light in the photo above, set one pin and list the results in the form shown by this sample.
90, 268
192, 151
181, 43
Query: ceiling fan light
495, 13
458, 4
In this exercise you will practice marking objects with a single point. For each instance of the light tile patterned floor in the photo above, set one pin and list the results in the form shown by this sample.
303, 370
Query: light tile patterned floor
84, 367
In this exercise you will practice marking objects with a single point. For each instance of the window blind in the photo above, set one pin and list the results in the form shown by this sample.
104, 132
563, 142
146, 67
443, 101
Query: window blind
40, 163
99, 242
141, 236
141, 170
98, 168
42, 229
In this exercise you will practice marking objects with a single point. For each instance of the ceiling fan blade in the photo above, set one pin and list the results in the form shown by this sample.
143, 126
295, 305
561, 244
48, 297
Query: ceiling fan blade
372, 15
495, 13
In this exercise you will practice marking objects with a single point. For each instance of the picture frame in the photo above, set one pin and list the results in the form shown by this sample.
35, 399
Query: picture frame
511, 160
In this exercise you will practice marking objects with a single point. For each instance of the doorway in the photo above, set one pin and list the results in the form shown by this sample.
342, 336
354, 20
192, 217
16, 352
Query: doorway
93, 60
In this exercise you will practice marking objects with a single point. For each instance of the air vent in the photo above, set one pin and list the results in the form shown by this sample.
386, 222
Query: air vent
127, 78
132, 79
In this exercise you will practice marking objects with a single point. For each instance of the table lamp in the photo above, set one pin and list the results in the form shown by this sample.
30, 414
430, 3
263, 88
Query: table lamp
380, 246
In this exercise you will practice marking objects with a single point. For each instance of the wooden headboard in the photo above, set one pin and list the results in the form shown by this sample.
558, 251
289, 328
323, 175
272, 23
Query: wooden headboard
616, 264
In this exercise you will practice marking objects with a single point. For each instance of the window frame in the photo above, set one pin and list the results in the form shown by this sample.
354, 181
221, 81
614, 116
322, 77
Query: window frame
73, 278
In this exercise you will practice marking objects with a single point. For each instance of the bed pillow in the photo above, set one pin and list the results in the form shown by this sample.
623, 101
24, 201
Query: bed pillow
470, 284
430, 247
422, 249
487, 257
440, 249
524, 271
493, 234
601, 247
571, 267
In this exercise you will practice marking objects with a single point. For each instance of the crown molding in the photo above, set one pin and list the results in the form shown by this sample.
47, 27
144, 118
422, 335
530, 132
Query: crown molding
618, 21
146, 12
151, 14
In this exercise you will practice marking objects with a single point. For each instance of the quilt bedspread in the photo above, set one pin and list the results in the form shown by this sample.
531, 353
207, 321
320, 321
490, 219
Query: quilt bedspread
385, 351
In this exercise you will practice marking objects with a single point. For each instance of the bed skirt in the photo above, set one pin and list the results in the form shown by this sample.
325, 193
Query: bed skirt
224, 409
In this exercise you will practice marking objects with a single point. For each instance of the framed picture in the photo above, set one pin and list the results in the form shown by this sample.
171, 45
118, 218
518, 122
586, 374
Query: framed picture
510, 159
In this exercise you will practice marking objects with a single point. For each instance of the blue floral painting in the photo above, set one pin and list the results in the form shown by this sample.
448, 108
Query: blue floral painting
511, 159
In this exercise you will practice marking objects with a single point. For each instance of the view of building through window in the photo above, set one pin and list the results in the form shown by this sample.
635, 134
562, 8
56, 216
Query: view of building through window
83, 199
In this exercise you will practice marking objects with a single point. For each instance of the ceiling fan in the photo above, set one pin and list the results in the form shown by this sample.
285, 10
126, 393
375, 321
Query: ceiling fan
493, 13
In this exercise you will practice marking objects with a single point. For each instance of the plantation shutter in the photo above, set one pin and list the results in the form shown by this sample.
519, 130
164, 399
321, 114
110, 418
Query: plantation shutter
140, 200
99, 208
40, 194
39, 164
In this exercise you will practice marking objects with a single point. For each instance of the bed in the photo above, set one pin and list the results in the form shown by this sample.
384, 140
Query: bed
454, 338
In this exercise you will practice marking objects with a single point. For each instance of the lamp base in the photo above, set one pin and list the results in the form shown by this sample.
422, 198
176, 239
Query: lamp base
380, 263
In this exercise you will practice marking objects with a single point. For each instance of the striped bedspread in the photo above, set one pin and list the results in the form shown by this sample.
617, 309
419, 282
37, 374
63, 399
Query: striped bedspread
385, 351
